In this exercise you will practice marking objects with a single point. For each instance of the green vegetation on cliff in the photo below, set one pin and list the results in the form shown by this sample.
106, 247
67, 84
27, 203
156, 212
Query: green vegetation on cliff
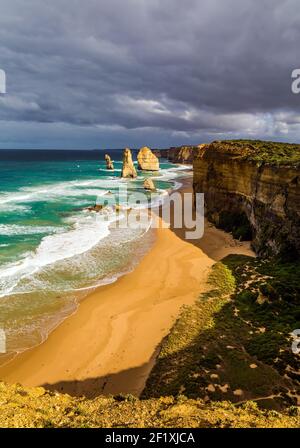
234, 343
267, 151
35, 407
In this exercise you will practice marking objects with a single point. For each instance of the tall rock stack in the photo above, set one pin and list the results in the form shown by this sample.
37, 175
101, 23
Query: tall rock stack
147, 161
109, 163
128, 169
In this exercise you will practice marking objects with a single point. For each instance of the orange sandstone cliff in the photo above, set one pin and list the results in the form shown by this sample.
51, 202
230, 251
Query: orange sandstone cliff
252, 188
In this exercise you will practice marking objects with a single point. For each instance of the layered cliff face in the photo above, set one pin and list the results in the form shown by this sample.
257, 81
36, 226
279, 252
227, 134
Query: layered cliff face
147, 160
253, 189
181, 154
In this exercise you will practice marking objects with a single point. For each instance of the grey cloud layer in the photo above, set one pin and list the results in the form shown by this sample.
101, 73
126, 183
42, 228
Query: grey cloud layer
184, 69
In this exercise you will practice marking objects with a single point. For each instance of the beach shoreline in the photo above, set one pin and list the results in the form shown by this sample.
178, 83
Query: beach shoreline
109, 344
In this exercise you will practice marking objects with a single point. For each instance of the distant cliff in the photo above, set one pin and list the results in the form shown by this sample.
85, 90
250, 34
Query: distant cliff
252, 188
180, 154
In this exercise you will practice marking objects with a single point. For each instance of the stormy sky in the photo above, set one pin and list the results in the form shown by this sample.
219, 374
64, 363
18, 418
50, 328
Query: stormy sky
115, 73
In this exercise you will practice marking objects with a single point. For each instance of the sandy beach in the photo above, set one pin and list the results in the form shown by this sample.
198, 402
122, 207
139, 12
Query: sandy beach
109, 345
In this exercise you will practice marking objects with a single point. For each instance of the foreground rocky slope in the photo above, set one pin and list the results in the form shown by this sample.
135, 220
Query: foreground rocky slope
24, 407
252, 188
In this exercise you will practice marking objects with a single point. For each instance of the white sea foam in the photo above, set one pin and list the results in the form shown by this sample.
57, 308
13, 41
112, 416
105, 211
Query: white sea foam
12, 208
86, 232
105, 170
170, 174
86, 229
14, 229
57, 191
74, 188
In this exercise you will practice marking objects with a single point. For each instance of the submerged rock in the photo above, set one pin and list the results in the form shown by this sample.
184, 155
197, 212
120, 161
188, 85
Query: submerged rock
109, 163
128, 169
147, 161
95, 208
149, 185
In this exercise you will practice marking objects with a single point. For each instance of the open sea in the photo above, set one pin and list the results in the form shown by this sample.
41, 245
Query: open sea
52, 250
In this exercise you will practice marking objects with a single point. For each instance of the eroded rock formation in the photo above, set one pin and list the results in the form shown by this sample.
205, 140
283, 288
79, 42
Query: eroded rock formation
253, 189
128, 168
149, 184
95, 208
147, 161
109, 163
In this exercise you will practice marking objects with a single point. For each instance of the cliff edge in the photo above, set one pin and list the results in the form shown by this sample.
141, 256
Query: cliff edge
252, 188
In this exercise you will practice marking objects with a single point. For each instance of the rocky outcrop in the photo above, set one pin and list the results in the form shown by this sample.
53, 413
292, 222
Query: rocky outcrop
128, 169
109, 163
253, 189
149, 185
147, 161
25, 407
95, 208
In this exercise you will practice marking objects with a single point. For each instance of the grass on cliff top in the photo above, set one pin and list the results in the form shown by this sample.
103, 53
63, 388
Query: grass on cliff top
269, 152
234, 344
35, 407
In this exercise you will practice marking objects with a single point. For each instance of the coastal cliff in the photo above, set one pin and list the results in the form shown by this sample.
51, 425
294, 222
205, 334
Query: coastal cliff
252, 188
180, 154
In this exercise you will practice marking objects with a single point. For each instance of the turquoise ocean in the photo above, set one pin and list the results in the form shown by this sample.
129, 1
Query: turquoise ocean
52, 250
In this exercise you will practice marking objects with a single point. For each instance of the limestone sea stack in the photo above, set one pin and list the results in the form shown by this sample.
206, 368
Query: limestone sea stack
147, 161
128, 169
109, 163
149, 185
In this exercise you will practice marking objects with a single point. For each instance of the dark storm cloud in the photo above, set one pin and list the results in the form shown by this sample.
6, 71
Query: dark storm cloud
173, 69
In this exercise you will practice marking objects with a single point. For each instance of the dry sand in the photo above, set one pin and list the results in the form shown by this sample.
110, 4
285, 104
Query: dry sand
109, 344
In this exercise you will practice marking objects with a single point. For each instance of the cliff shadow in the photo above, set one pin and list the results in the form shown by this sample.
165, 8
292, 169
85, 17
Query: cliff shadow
129, 381
216, 243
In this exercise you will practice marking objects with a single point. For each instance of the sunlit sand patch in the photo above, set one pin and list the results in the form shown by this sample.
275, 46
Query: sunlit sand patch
224, 388
214, 376
211, 388
238, 392
253, 366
